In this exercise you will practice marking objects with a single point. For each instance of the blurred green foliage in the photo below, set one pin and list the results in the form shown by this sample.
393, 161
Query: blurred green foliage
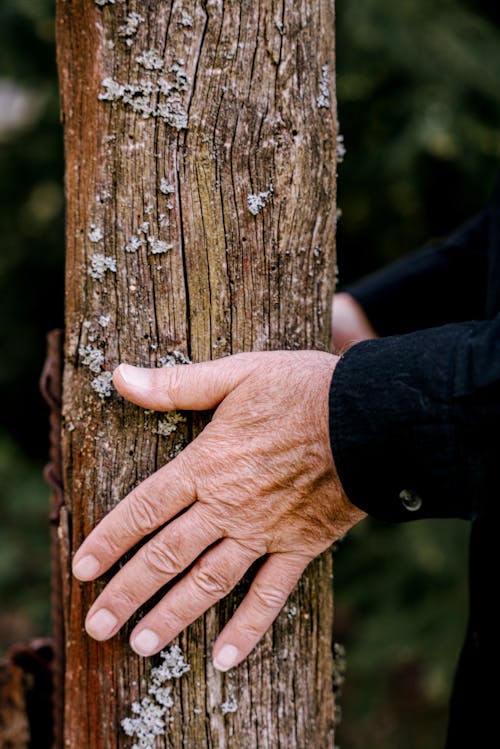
24, 557
401, 601
31, 303
419, 107
31, 212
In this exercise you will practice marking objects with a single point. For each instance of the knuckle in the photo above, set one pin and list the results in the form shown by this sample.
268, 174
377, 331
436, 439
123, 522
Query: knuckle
171, 621
174, 386
270, 597
251, 630
109, 544
123, 600
141, 514
160, 559
211, 580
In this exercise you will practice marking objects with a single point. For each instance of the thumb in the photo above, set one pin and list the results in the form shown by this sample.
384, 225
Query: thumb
185, 386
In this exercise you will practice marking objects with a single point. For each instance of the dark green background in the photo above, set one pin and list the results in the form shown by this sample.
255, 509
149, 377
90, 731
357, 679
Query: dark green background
419, 107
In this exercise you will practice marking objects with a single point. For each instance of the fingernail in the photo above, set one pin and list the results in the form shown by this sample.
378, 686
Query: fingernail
87, 568
146, 642
101, 624
137, 377
226, 658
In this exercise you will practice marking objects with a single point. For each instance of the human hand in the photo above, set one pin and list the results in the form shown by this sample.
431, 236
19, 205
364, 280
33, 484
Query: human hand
349, 323
259, 480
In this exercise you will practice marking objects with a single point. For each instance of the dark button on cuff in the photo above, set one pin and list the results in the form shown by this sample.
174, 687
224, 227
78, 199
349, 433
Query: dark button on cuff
410, 500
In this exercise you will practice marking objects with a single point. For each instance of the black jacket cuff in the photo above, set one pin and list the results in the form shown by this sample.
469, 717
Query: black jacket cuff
395, 427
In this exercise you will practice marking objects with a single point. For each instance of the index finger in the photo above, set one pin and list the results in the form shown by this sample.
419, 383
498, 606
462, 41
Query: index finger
152, 503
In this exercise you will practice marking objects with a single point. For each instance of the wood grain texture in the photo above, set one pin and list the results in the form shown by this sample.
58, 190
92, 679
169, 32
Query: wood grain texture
231, 99
14, 724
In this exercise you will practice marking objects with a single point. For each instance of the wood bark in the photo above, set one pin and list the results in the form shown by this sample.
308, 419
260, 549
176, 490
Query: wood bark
25, 696
14, 725
200, 141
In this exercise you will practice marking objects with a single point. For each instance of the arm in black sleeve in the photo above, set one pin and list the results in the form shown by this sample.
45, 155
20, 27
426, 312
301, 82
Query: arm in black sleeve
414, 421
442, 283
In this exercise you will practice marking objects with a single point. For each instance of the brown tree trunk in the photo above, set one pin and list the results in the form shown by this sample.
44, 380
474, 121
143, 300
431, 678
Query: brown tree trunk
200, 143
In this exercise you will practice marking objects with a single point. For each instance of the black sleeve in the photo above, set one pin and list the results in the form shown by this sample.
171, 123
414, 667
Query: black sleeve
442, 283
414, 421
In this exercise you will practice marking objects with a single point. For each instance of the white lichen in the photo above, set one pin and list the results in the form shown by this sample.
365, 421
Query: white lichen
173, 113
339, 666
149, 723
176, 449
291, 611
114, 90
100, 264
173, 667
130, 27
341, 151
134, 243
71, 427
185, 19
103, 196
181, 79
91, 335
158, 246
134, 95
163, 695
323, 98
150, 60
256, 201
150, 713
220, 343
104, 2
170, 423
103, 385
157, 98
172, 358
104, 320
91, 357
144, 227
95, 234
166, 187
230, 705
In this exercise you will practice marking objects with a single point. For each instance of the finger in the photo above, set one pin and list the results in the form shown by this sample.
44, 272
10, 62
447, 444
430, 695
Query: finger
193, 386
166, 555
151, 504
211, 578
267, 595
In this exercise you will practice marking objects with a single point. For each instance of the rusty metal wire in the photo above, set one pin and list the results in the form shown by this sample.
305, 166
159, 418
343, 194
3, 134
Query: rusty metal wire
51, 388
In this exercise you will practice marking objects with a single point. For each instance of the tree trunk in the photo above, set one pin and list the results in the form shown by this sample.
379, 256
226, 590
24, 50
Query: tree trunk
200, 141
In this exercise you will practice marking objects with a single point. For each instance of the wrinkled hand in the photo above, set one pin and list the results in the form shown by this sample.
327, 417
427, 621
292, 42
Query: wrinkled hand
258, 481
349, 323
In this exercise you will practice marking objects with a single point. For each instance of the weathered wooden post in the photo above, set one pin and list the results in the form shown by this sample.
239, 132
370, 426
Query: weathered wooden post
200, 140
